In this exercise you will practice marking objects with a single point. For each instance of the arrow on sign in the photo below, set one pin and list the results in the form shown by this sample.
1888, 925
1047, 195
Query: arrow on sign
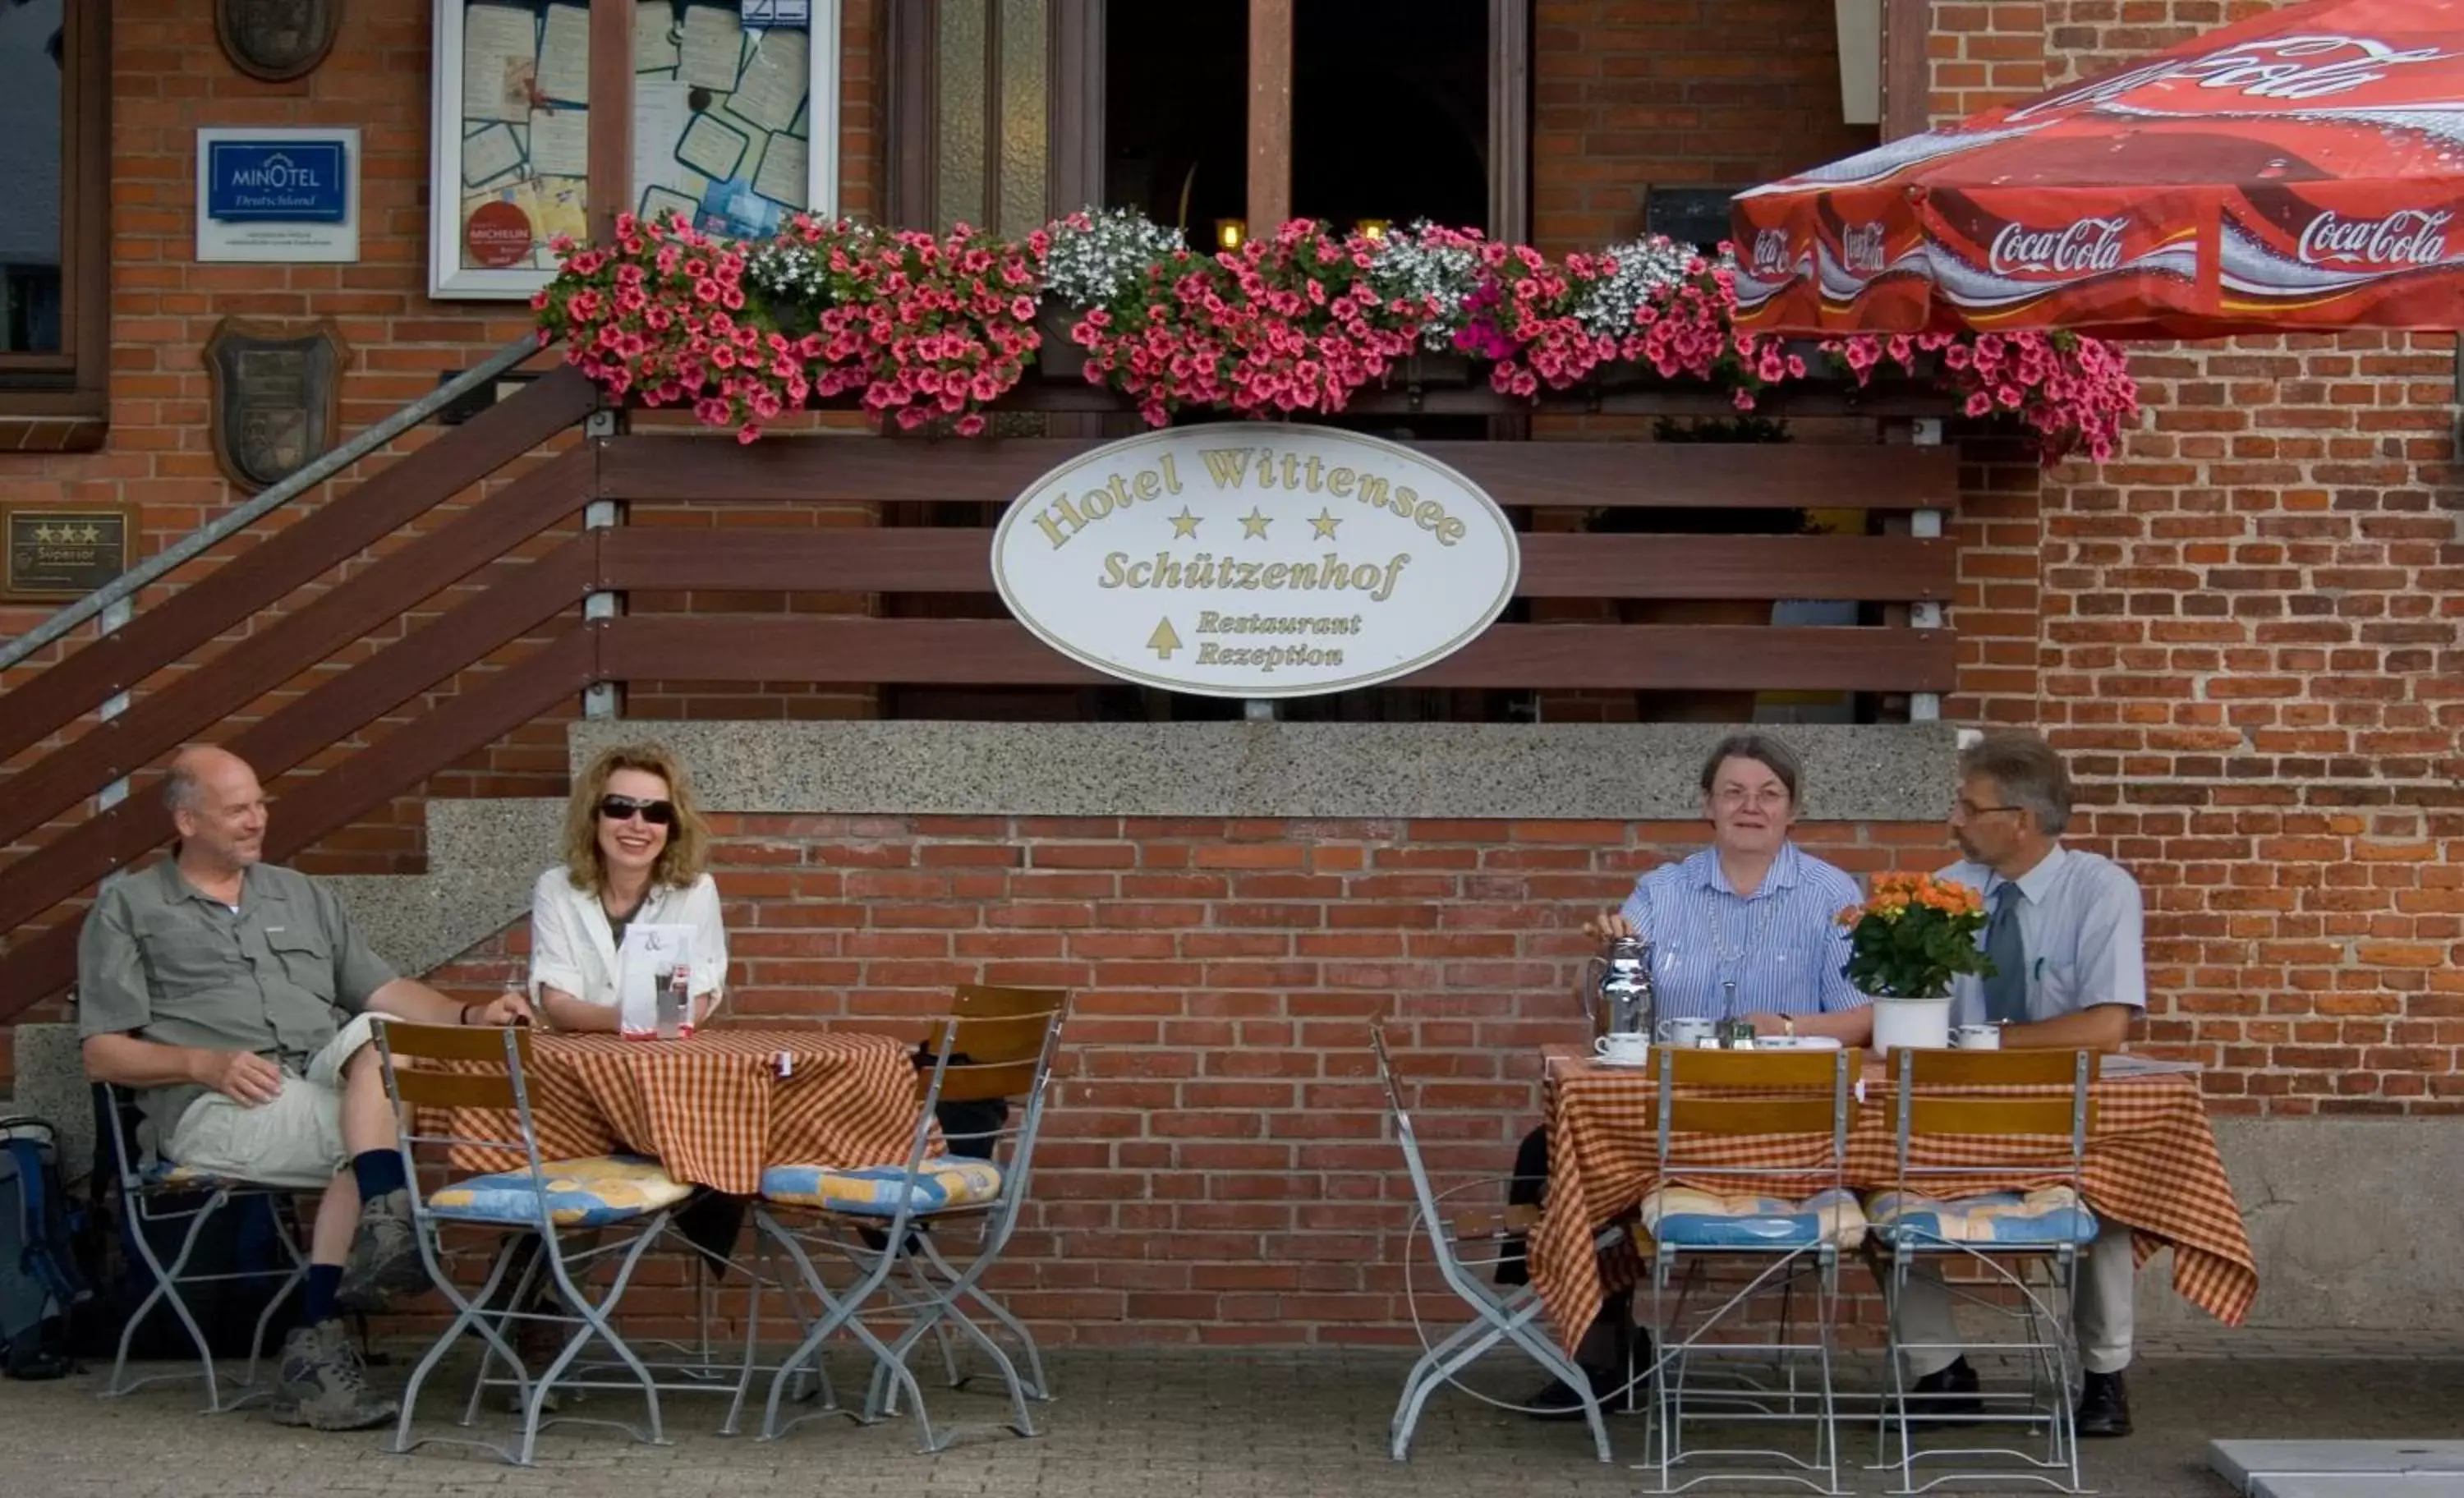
1163, 641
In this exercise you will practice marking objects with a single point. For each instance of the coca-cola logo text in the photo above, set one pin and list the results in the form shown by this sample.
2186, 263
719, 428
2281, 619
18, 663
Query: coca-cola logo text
1770, 255
2084, 248
2408, 236
2307, 66
1861, 248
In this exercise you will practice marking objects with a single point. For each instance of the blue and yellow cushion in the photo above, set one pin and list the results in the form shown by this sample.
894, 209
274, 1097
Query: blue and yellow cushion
948, 1182
164, 1176
583, 1193
1684, 1217
2040, 1218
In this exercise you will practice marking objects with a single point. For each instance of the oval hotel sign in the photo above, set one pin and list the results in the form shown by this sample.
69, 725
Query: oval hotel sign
1255, 560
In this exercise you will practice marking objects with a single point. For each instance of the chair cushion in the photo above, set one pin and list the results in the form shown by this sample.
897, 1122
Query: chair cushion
581, 1193
1685, 1217
2052, 1215
164, 1175
943, 1183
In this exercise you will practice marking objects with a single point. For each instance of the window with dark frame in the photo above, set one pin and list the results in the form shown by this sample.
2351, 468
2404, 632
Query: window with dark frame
55, 187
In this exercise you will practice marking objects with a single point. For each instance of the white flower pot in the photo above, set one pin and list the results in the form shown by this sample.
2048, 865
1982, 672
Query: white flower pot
1911, 1023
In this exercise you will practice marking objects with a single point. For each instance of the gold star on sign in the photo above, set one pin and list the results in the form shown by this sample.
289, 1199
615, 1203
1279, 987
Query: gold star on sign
1323, 524
44, 535
1184, 525
93, 535
1253, 525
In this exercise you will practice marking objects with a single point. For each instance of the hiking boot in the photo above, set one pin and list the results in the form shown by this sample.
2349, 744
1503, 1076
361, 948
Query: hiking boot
323, 1386
385, 1256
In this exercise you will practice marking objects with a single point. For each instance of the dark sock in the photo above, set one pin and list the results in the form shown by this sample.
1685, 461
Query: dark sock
323, 1280
378, 1172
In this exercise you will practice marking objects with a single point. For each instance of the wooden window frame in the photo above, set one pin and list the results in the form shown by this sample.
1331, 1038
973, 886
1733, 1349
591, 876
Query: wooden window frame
1075, 121
60, 401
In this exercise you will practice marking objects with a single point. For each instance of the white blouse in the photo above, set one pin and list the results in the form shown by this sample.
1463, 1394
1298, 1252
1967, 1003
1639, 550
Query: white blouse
574, 950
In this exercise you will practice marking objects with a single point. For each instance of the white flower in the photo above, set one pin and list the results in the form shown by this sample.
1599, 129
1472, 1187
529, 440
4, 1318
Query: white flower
1645, 269
1089, 263
1406, 265
786, 268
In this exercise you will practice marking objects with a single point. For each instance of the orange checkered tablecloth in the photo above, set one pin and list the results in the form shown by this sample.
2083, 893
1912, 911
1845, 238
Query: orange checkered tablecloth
713, 1109
2152, 1162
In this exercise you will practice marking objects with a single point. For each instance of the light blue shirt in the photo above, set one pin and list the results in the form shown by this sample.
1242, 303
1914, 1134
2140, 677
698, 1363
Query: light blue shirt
1717, 954
2079, 923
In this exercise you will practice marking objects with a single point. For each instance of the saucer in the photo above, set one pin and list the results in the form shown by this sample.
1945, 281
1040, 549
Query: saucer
1637, 1064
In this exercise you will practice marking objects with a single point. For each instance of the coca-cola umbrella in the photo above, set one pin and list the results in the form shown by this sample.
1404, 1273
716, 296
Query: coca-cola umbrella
2301, 170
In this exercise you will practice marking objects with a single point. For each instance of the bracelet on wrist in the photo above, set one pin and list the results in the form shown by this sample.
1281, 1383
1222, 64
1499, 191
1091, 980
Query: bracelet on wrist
465, 1020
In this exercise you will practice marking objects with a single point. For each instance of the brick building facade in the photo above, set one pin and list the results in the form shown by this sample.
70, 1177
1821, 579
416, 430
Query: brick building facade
2244, 629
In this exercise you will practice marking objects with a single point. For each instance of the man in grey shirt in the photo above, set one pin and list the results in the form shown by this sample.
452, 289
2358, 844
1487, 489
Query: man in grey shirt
236, 999
2063, 931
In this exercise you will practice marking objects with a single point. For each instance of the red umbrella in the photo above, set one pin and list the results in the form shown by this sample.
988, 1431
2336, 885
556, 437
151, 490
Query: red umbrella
2301, 169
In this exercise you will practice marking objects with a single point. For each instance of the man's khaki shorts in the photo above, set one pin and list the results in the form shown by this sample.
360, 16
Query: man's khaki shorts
295, 1140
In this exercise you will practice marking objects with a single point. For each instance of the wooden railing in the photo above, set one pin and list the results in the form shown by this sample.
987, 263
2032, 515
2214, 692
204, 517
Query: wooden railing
517, 599
1895, 569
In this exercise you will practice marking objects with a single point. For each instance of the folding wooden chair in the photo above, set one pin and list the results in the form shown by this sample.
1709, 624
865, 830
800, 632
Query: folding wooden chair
1500, 1314
541, 1202
162, 1190
982, 1179
1717, 1112
1975, 1096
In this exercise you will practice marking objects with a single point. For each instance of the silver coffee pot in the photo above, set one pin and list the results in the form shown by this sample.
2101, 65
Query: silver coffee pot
1620, 982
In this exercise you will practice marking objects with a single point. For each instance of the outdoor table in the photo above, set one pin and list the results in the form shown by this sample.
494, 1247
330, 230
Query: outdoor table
713, 1109
2152, 1162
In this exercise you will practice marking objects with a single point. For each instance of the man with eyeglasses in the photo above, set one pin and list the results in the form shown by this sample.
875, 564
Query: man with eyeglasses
2063, 932
1746, 929
235, 998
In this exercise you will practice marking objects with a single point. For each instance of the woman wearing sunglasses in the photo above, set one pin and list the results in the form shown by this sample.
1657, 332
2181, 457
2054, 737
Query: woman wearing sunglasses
633, 848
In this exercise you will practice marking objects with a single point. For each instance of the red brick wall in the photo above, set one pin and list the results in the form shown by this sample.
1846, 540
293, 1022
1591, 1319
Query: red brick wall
1628, 94
1217, 1168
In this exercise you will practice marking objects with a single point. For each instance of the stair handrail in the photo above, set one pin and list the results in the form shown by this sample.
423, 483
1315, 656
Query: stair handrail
233, 521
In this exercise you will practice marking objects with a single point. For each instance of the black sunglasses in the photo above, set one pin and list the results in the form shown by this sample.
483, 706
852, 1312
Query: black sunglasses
657, 814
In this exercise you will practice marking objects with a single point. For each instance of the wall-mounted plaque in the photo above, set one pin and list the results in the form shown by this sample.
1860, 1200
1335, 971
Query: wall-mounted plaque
277, 392
278, 196
276, 40
56, 552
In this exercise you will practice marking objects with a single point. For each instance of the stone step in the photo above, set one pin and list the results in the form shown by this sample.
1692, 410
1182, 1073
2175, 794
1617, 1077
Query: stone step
2362, 1466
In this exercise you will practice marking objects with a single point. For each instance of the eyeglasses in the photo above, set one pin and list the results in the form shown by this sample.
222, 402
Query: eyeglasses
1965, 809
620, 808
1769, 798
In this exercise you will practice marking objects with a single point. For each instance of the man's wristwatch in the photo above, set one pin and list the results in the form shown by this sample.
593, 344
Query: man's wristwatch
1787, 1022
465, 1020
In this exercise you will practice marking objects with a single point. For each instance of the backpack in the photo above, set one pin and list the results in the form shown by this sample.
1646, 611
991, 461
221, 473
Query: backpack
41, 1287
244, 1237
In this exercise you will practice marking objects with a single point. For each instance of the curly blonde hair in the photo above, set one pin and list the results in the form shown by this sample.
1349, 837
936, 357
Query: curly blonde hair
680, 861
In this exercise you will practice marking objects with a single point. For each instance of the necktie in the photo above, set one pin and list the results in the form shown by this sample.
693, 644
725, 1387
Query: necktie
2006, 992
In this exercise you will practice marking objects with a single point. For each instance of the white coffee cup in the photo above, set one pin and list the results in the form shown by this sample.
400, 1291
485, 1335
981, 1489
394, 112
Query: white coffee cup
1624, 1049
1976, 1037
1689, 1034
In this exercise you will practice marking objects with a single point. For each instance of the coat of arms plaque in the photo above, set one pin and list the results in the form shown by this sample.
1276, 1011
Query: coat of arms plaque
276, 40
276, 397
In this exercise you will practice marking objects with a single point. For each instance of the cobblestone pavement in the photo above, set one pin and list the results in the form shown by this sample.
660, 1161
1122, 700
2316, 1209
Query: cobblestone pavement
1131, 1424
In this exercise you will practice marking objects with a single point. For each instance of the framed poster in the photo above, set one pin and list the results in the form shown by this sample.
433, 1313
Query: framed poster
509, 160
722, 127
725, 97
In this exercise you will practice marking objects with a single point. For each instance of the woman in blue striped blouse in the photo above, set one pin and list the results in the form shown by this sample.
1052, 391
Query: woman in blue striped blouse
1747, 927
